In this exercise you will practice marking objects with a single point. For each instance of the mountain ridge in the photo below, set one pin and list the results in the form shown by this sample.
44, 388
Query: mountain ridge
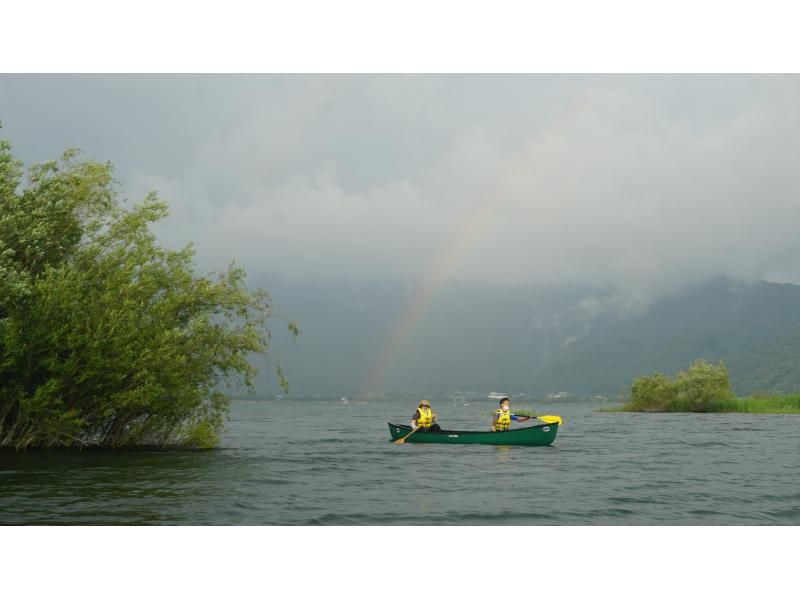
534, 340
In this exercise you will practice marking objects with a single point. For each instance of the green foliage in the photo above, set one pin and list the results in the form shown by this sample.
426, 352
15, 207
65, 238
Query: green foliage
105, 337
696, 389
201, 435
651, 393
702, 384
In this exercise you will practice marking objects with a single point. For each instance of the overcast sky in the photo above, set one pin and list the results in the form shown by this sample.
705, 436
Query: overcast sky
645, 183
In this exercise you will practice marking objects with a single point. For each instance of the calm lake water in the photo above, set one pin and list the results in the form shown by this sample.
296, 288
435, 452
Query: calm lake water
322, 462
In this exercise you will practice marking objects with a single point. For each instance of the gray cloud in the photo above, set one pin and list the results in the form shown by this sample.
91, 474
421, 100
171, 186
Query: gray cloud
644, 183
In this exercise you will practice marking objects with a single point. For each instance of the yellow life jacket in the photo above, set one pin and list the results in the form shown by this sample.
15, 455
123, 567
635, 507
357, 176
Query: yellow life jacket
424, 418
502, 420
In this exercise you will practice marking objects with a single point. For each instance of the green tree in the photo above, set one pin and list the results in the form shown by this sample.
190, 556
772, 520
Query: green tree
701, 384
651, 393
106, 338
694, 389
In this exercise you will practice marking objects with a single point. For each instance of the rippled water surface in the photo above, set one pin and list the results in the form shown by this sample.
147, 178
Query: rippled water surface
307, 462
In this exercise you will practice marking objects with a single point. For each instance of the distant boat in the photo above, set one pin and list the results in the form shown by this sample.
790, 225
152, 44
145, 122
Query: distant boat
344, 400
496, 396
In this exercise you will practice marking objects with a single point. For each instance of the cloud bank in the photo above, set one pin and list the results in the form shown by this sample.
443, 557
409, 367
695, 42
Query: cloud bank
642, 183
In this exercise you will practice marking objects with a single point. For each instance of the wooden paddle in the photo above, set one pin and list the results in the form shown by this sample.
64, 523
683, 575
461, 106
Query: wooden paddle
403, 439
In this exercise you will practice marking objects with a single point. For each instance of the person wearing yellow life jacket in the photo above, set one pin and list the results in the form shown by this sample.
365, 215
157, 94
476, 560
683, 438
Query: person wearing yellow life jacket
424, 418
503, 416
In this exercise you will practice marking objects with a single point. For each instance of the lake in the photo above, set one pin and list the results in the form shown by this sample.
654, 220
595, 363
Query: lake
324, 462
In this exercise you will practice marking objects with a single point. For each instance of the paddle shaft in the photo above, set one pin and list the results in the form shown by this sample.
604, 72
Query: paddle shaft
548, 419
403, 439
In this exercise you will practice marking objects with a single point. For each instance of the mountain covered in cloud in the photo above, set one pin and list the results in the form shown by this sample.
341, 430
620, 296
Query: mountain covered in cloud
534, 340
754, 329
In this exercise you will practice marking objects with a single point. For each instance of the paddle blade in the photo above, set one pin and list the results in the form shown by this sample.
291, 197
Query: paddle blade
550, 419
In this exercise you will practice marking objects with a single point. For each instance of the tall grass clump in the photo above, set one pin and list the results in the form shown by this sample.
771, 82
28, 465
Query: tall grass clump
762, 403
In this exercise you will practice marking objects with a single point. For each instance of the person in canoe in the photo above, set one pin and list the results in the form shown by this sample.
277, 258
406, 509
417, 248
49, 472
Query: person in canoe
424, 418
503, 416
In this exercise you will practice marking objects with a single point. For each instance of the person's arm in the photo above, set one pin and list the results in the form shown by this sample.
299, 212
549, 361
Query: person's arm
414, 420
494, 420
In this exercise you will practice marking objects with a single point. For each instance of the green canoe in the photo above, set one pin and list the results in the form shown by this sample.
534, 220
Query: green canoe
541, 435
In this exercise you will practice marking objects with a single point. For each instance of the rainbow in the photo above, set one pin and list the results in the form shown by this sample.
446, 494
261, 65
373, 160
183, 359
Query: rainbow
438, 274
442, 267
445, 262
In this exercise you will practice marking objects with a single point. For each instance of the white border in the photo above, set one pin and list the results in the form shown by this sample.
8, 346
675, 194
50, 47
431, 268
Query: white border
412, 36
385, 561
409, 36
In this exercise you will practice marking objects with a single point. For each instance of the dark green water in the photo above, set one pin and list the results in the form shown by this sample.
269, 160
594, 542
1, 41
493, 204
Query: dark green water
308, 462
